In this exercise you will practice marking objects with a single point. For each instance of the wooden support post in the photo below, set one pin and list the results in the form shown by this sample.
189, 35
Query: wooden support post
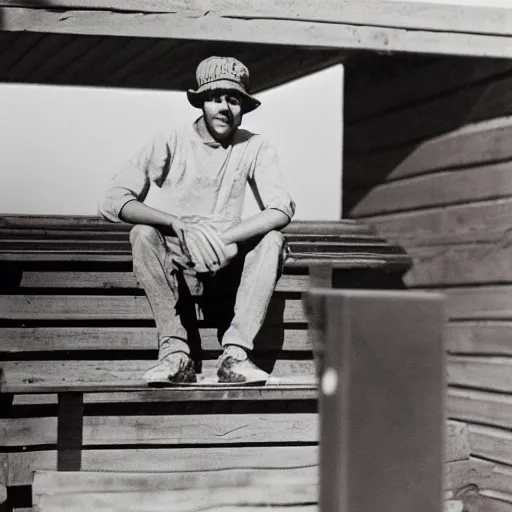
381, 400
70, 431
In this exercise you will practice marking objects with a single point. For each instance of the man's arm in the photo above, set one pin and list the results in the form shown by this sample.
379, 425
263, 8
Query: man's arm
135, 212
272, 196
258, 224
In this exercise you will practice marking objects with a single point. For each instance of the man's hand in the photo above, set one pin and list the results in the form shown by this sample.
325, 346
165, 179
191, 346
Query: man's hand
203, 246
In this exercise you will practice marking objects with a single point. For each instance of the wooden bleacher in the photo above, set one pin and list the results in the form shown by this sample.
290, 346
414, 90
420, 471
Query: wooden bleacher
77, 334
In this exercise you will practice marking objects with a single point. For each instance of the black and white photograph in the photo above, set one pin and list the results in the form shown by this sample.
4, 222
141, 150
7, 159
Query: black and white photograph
255, 255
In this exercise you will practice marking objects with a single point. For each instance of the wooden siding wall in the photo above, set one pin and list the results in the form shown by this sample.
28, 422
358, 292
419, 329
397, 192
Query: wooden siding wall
428, 162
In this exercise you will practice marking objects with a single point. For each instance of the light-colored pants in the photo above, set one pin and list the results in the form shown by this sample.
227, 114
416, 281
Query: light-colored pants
234, 299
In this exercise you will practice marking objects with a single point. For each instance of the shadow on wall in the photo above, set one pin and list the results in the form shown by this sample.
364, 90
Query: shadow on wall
389, 122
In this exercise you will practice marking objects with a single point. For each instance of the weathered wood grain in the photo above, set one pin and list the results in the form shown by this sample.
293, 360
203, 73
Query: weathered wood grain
187, 429
3, 472
471, 145
95, 223
300, 387
63, 482
17, 340
119, 375
457, 445
489, 373
467, 472
109, 280
480, 406
167, 459
198, 430
459, 264
283, 497
366, 12
480, 303
254, 30
485, 221
501, 479
492, 444
481, 183
99, 307
480, 338
496, 502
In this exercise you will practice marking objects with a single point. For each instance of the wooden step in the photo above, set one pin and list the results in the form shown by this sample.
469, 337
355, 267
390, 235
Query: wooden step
289, 379
294, 489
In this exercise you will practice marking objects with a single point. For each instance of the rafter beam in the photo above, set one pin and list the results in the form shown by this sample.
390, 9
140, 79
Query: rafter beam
256, 30
392, 14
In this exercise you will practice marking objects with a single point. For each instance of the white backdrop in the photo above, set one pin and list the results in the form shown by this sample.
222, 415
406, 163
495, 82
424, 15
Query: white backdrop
60, 145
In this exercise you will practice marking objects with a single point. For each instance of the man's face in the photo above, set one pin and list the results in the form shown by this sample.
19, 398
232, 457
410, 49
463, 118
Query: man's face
223, 114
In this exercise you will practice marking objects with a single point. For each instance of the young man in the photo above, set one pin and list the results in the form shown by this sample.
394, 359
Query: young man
195, 243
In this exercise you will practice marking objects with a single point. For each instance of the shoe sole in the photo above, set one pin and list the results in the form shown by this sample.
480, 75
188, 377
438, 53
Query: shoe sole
207, 383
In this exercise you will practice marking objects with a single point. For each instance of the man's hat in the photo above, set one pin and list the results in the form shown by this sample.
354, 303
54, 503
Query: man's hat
222, 73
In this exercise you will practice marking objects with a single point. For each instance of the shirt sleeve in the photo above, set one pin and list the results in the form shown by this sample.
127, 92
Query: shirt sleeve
267, 182
134, 179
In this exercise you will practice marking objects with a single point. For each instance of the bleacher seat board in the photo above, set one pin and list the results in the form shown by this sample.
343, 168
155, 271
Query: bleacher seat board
77, 334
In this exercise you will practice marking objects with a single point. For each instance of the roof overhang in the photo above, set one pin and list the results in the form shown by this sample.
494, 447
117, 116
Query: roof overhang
158, 43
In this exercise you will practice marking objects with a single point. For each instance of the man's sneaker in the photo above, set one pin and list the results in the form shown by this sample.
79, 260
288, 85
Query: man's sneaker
236, 367
175, 368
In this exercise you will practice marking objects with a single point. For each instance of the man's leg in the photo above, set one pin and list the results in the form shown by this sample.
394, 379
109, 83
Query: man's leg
154, 269
262, 267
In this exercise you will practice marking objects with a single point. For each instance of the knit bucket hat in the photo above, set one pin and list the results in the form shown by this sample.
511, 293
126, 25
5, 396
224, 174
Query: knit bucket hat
226, 74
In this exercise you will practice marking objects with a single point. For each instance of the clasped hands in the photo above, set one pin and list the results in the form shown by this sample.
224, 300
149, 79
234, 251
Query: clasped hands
204, 246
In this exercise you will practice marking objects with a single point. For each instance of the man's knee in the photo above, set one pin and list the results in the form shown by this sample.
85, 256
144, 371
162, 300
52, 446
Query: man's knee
142, 234
274, 239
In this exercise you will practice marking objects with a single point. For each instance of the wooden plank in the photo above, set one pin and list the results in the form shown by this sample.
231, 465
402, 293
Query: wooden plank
191, 429
119, 375
480, 406
104, 307
95, 223
48, 244
496, 502
457, 446
444, 113
108, 280
440, 76
366, 12
465, 264
501, 479
197, 430
302, 388
373, 421
3, 472
492, 444
489, 373
17, 340
66, 482
167, 459
480, 303
479, 338
482, 183
281, 497
476, 144
254, 30
485, 221
467, 472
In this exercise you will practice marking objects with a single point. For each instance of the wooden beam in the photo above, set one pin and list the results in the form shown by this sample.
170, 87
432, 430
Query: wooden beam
418, 16
325, 34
